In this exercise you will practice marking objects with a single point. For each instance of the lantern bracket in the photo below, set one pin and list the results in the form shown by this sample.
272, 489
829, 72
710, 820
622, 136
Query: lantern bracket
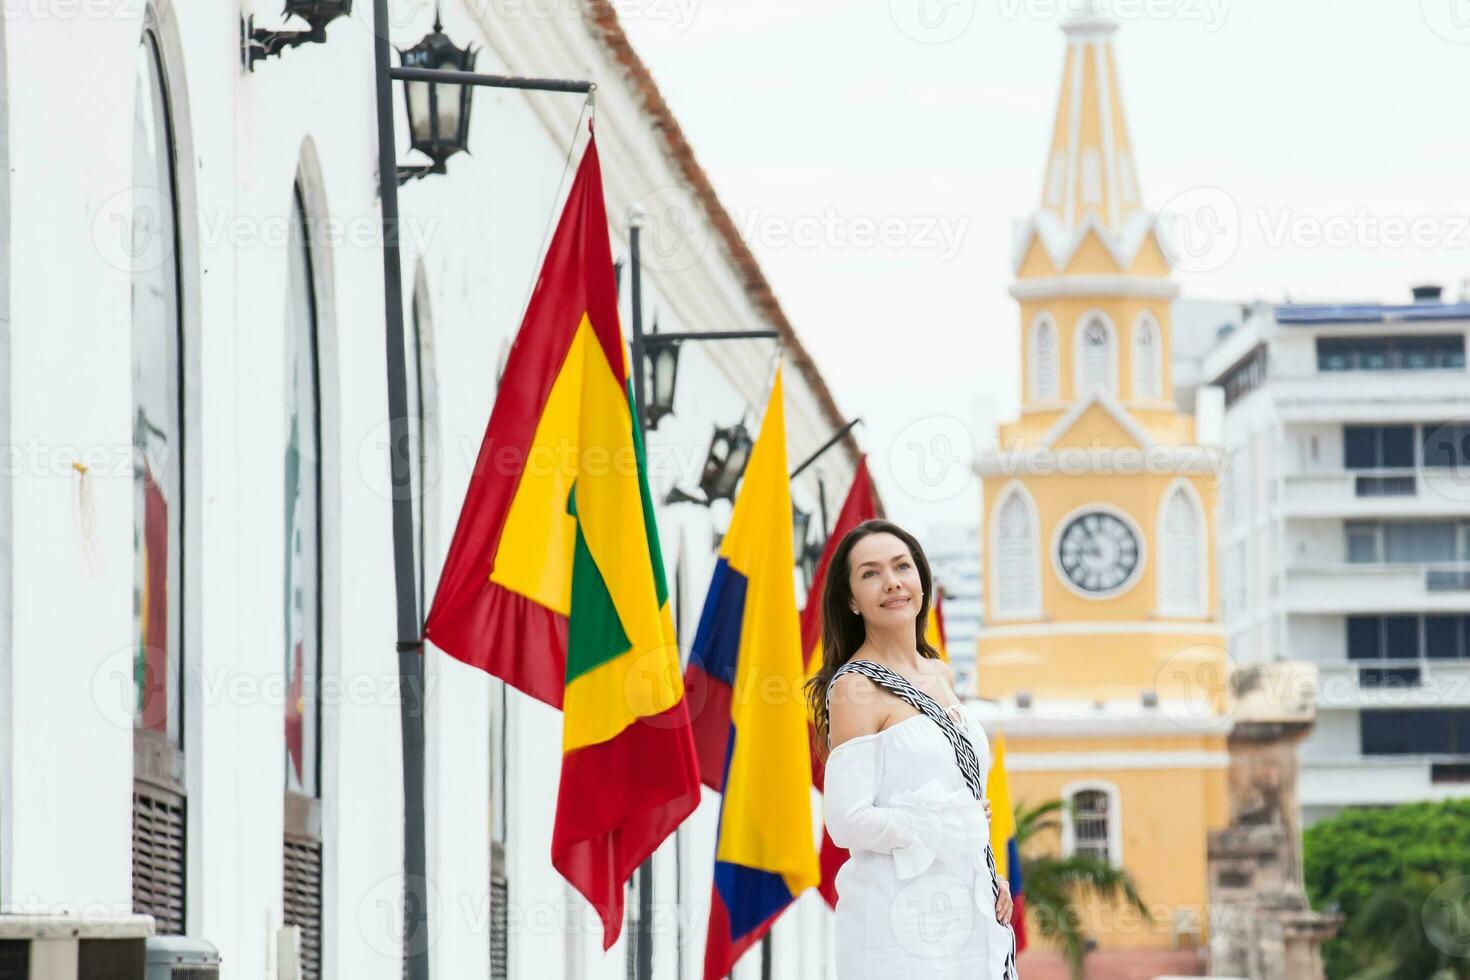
259, 43
452, 77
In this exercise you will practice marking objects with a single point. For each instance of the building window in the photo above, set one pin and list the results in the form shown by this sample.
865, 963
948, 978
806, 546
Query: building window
1431, 352
1017, 555
302, 873
158, 502
1043, 358
1380, 447
1447, 637
1245, 376
1147, 360
1091, 176
1095, 356
1091, 823
1127, 182
1056, 181
1181, 554
1435, 637
1446, 444
1415, 731
1407, 542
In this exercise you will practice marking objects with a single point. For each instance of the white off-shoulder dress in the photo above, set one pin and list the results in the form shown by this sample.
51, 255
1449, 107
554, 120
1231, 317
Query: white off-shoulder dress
916, 899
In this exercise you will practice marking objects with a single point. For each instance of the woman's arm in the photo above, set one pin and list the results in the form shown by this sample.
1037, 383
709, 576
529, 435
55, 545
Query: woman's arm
851, 782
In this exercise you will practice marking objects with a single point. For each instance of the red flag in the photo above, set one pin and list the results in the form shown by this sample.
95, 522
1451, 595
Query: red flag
861, 505
555, 582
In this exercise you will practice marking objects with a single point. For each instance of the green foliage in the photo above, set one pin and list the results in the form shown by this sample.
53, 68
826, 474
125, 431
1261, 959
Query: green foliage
1400, 876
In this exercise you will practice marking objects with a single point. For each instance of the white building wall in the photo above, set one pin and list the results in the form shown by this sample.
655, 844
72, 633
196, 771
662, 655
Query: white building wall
1283, 557
243, 138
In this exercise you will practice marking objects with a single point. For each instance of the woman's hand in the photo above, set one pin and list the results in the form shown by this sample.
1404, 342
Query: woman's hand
1003, 904
986, 801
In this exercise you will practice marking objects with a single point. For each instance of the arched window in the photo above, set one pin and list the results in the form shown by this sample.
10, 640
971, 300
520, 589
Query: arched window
1043, 358
1056, 180
1091, 176
303, 591
1148, 379
158, 497
1096, 359
1017, 563
1181, 552
1127, 180
1091, 823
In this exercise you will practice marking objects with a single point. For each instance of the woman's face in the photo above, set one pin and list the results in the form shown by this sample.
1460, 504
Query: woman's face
885, 583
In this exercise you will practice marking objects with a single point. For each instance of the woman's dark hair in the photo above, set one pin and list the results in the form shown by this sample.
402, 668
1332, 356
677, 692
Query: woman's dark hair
842, 632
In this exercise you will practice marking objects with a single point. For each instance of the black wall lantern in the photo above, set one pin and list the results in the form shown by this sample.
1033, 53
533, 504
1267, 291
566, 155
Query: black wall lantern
808, 558
663, 371
438, 112
259, 43
729, 451
801, 523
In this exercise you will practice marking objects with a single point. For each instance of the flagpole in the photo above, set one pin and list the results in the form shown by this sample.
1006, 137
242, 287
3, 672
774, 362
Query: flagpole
825, 446
643, 935
409, 620
409, 623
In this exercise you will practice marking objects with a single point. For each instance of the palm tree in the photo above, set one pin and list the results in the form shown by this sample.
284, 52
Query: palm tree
1413, 928
1054, 884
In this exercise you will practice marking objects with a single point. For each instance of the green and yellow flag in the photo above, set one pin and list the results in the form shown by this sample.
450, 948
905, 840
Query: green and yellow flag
555, 582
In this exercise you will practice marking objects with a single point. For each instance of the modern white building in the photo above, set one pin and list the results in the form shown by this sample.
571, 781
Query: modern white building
199, 714
954, 558
1345, 534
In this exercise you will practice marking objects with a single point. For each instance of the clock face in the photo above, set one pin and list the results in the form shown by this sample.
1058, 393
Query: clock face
1098, 553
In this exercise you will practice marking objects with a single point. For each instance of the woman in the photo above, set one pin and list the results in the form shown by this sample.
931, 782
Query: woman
919, 896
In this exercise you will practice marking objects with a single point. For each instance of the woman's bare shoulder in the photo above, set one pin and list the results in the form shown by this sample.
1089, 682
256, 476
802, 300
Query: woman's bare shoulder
856, 708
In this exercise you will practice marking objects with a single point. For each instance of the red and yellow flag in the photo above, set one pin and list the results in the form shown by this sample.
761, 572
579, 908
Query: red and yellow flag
554, 581
860, 505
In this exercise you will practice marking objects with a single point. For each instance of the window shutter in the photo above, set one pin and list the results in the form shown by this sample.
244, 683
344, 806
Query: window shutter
499, 914
1179, 576
1097, 357
1016, 565
158, 856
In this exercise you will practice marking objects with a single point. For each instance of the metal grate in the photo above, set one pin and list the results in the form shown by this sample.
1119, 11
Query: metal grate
1090, 823
499, 926
15, 959
303, 900
158, 856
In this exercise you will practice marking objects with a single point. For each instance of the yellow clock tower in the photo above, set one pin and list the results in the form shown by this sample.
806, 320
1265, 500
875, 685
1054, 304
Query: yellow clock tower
1102, 652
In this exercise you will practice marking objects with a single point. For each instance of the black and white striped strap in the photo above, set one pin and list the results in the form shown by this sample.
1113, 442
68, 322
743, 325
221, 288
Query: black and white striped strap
964, 754
897, 684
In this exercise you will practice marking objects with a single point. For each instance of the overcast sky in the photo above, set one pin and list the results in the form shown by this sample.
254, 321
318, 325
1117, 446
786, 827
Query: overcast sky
875, 153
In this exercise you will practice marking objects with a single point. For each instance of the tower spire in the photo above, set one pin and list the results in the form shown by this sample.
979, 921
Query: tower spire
1090, 166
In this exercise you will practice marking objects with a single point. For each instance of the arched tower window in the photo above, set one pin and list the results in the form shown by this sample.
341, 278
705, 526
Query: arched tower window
1148, 379
1096, 356
1181, 552
1016, 549
1043, 359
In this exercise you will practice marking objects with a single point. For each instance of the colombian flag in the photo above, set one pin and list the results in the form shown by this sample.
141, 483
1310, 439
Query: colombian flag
861, 505
1003, 835
554, 581
748, 650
